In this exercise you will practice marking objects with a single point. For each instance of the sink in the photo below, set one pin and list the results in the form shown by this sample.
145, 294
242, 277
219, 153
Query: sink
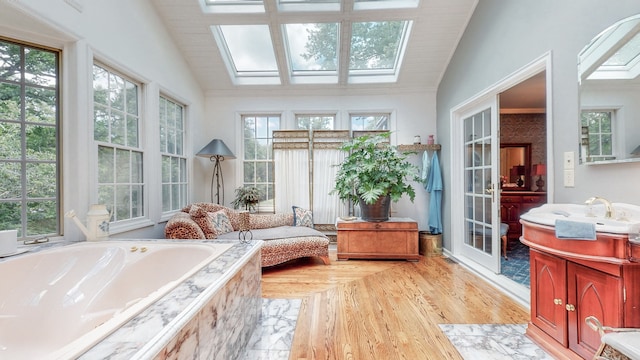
625, 220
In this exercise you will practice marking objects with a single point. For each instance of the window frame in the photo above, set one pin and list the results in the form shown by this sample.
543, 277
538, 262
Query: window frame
125, 224
23, 200
612, 136
267, 204
184, 178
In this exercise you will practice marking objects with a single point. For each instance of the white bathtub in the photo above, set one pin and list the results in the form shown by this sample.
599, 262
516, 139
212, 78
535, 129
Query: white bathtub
58, 303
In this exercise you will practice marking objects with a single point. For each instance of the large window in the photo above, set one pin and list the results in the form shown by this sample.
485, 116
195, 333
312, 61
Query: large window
597, 125
116, 132
174, 163
258, 156
29, 125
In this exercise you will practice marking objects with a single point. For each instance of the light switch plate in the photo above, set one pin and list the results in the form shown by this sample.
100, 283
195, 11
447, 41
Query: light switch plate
569, 160
569, 178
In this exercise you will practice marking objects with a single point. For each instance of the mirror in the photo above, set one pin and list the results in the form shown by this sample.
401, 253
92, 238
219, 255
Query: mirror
515, 166
609, 89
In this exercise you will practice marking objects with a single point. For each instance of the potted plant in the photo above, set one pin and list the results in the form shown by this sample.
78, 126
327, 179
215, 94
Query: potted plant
247, 197
373, 174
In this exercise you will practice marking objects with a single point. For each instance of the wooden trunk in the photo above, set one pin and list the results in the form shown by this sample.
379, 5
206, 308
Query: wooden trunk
396, 238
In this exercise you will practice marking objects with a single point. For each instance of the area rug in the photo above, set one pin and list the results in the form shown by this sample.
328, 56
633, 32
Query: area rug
273, 336
495, 342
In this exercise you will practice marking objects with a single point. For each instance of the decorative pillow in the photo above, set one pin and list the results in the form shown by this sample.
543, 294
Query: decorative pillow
200, 216
220, 222
302, 217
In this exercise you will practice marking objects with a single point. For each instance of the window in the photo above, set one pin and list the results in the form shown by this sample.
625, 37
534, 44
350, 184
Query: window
174, 163
315, 122
29, 125
370, 121
116, 132
598, 126
258, 156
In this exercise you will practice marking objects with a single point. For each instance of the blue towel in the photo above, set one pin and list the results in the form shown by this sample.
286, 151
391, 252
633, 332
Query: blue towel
434, 187
566, 229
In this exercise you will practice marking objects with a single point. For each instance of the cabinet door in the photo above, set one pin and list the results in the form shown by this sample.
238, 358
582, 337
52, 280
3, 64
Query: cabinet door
548, 291
591, 293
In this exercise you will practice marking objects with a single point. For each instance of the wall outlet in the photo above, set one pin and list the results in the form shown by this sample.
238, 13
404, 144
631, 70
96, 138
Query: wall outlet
569, 178
569, 160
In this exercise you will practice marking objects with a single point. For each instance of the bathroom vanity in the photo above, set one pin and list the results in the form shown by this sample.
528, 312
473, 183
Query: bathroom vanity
572, 279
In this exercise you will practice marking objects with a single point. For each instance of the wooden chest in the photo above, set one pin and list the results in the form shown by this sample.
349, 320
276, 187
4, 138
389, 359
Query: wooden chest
396, 238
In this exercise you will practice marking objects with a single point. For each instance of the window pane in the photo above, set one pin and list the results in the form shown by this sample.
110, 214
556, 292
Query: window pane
40, 67
123, 166
375, 45
10, 145
312, 47
10, 179
136, 167
39, 184
106, 170
174, 166
10, 102
42, 217
10, 214
132, 131
250, 48
41, 142
10, 62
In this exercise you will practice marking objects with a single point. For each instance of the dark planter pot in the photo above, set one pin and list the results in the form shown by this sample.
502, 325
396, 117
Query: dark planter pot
376, 212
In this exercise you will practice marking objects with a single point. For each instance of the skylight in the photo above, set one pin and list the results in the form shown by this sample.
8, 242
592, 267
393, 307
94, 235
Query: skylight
311, 51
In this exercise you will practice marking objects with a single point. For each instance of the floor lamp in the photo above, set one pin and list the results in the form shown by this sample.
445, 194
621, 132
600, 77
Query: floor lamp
217, 151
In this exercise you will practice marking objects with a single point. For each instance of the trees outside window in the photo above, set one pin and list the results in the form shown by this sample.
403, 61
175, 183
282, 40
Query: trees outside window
116, 132
258, 156
29, 151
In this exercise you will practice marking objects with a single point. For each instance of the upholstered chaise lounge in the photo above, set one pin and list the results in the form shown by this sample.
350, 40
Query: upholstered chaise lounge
286, 236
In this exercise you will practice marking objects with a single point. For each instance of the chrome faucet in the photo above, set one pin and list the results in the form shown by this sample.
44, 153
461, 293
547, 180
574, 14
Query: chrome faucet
607, 205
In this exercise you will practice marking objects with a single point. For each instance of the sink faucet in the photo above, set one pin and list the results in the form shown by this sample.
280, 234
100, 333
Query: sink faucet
607, 205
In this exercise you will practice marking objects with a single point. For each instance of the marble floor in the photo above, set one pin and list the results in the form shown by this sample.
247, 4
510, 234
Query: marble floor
495, 342
273, 337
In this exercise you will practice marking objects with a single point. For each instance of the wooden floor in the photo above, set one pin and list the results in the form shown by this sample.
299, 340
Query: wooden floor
379, 309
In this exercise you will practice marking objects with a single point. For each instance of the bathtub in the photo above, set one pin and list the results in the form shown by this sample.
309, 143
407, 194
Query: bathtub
60, 302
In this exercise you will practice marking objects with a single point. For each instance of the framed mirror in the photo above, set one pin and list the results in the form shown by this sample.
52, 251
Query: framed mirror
515, 166
609, 89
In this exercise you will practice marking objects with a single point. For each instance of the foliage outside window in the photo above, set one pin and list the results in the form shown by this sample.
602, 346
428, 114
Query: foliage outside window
315, 122
369, 121
599, 124
174, 163
29, 125
116, 132
258, 156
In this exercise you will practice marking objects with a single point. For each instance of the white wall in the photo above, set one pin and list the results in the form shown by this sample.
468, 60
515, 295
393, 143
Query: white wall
129, 37
412, 114
504, 36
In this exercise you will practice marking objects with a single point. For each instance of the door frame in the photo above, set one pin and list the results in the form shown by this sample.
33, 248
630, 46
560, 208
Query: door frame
457, 113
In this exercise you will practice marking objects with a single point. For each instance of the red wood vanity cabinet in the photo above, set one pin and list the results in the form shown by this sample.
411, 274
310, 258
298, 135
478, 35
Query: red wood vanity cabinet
567, 287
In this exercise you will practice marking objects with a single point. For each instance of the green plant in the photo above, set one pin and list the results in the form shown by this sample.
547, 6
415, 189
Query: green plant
247, 197
374, 168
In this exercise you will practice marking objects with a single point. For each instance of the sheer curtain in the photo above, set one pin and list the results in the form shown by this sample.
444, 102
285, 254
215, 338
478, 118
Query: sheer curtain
291, 169
326, 207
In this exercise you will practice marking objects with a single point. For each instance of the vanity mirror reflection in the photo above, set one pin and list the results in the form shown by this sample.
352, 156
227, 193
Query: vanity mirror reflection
609, 89
515, 166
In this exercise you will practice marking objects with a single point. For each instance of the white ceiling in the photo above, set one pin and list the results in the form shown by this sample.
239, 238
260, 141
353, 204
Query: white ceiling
437, 27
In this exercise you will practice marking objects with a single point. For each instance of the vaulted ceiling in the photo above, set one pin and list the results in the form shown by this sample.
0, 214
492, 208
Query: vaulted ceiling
435, 29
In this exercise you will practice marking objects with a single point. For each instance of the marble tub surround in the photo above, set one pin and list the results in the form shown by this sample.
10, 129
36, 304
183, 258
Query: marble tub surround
209, 316
493, 341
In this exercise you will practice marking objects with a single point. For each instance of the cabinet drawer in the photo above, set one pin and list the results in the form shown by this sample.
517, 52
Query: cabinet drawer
532, 199
510, 199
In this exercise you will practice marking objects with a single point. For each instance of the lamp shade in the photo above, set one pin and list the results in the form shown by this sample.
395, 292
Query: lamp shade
540, 169
216, 147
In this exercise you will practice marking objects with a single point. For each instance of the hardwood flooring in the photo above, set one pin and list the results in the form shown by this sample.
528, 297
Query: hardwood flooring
379, 309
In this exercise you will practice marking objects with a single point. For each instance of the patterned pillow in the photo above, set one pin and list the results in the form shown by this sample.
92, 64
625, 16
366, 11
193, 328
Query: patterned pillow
302, 217
200, 216
220, 222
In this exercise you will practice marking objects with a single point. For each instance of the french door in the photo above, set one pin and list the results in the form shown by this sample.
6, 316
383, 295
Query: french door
478, 226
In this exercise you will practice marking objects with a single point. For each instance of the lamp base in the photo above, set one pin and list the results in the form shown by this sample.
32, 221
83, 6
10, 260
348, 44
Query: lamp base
540, 183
